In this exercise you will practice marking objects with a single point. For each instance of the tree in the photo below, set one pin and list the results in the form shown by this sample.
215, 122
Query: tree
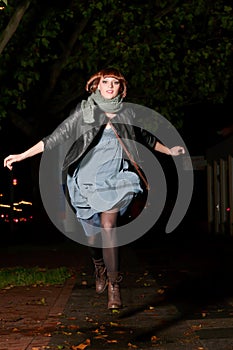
13, 24
174, 53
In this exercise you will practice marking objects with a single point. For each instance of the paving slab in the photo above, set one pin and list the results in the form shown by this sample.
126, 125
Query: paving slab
28, 315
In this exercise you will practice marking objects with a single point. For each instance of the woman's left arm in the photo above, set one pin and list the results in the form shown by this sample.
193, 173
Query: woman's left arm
173, 151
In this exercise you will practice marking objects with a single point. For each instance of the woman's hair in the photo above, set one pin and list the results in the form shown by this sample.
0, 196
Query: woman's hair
93, 82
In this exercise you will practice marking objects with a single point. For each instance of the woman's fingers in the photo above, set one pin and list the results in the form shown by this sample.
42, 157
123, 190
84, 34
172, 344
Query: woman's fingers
177, 150
8, 162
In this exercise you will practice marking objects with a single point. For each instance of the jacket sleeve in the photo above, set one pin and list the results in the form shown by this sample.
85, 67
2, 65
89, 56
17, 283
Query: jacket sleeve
67, 130
148, 139
142, 117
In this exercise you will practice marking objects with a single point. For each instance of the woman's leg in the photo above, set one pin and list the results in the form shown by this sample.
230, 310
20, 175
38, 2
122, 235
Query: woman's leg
109, 240
96, 253
111, 258
101, 281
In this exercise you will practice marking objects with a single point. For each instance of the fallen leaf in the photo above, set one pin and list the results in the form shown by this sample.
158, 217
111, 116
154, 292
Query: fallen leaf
196, 326
73, 326
154, 338
9, 287
119, 332
81, 346
147, 285
132, 346
67, 333
102, 336
115, 311
188, 333
42, 301
160, 291
112, 341
96, 331
89, 319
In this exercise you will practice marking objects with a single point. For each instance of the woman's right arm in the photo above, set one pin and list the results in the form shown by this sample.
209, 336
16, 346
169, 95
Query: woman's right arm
68, 129
36, 149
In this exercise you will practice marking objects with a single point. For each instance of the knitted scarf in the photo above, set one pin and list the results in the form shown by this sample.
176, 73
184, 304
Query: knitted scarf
106, 105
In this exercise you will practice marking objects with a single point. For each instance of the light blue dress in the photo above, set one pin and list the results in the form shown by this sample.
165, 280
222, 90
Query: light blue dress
102, 182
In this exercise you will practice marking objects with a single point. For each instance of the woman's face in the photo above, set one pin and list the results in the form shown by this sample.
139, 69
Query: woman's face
109, 87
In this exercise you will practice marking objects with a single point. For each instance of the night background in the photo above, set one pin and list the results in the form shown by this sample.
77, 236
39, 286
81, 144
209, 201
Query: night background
177, 288
176, 56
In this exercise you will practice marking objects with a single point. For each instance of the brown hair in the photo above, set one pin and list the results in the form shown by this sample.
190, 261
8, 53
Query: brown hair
93, 82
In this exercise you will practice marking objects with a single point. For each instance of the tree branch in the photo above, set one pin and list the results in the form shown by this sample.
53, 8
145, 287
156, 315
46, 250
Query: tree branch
58, 65
13, 24
20, 123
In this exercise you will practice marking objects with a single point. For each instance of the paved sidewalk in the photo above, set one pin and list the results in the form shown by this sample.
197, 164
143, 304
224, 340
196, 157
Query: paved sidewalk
177, 294
28, 316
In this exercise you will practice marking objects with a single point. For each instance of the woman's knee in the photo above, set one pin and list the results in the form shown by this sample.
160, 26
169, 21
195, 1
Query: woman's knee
108, 220
108, 225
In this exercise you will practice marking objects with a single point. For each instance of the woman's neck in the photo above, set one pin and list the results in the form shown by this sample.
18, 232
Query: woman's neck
110, 116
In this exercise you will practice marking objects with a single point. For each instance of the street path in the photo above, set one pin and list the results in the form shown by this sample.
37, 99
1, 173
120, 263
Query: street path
177, 294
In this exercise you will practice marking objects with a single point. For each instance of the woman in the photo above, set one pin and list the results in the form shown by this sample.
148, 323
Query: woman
96, 165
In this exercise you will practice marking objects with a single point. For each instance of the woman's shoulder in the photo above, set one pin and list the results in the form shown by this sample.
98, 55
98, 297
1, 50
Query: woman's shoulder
135, 110
77, 111
128, 110
75, 115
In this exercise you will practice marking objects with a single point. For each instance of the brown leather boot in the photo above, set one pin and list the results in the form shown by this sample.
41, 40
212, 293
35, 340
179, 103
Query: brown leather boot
101, 281
114, 295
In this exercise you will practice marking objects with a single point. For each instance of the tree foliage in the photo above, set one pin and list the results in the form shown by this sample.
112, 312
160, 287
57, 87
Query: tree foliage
174, 54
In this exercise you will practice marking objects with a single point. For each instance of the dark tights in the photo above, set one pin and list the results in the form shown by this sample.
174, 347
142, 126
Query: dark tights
109, 252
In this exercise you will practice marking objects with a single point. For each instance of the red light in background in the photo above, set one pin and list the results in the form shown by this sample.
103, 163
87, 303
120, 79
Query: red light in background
228, 209
14, 182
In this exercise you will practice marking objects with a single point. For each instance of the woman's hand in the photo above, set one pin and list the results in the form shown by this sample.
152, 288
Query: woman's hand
174, 151
12, 159
37, 148
177, 151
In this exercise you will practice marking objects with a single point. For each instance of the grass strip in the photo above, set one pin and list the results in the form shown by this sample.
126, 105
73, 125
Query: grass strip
21, 276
